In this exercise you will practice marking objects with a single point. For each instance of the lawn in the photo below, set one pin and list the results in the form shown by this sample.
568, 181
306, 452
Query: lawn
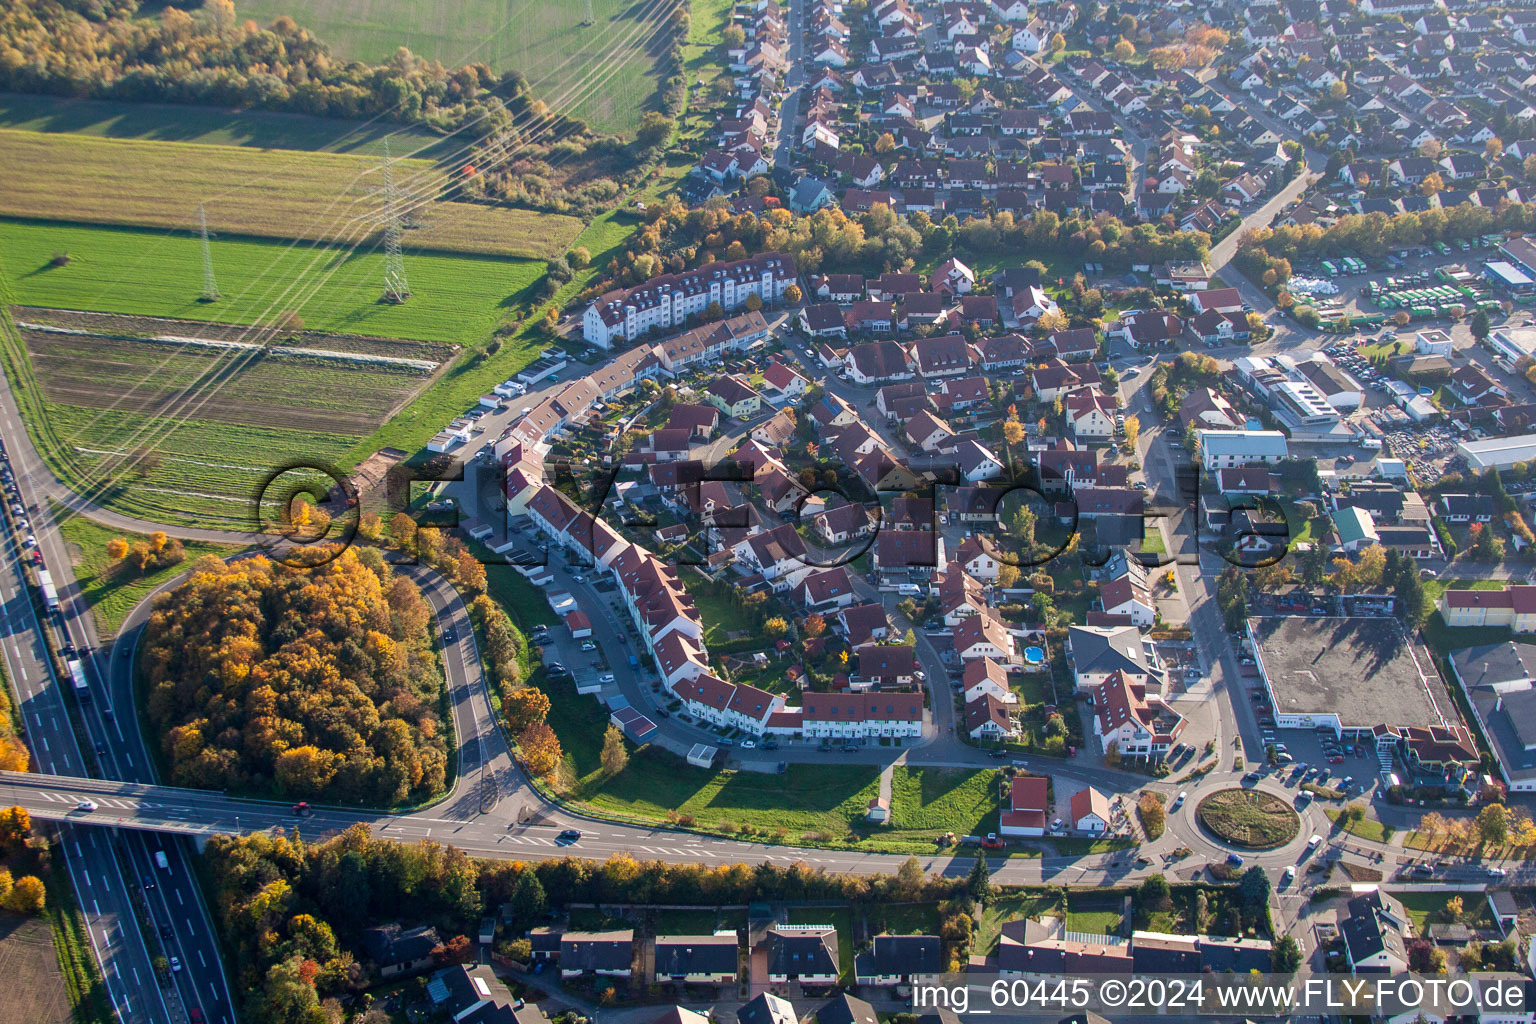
455, 299
272, 193
905, 918
1433, 588
1032, 688
1365, 828
602, 73
1016, 905
1094, 914
111, 589
219, 126
939, 800
1426, 908
821, 804
703, 921
521, 599
722, 616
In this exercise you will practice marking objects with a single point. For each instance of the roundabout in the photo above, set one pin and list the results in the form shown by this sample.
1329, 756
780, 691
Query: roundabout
1248, 819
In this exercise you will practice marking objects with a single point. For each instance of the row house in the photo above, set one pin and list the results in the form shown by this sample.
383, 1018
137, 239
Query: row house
727, 705
861, 716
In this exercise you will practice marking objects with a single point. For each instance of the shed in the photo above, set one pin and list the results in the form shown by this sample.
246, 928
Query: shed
579, 625
702, 755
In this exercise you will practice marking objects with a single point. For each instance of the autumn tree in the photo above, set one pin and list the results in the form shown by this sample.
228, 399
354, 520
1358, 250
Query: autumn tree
28, 895
1124, 50
793, 294
615, 758
262, 675
1493, 825
456, 950
305, 771
403, 529
117, 548
1013, 432
1132, 430
814, 625
540, 749
370, 527
469, 571
776, 627
524, 708
15, 827
1008, 575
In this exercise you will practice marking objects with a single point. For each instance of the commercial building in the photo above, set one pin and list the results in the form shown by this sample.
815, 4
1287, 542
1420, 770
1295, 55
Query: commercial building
1514, 343
1359, 677
1508, 279
1223, 449
1498, 452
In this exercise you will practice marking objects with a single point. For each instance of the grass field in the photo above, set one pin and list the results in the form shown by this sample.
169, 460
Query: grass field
109, 590
938, 800
825, 802
601, 73
30, 967
455, 299
220, 126
276, 193
217, 423
1365, 828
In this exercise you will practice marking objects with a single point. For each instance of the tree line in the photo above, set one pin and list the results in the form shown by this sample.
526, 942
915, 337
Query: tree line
674, 238
294, 914
114, 49
301, 681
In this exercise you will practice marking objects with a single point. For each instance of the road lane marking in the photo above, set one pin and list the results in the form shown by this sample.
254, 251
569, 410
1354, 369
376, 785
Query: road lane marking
178, 897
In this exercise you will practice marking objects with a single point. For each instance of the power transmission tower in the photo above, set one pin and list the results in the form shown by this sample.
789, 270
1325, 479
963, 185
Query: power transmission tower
588, 20
210, 286
395, 287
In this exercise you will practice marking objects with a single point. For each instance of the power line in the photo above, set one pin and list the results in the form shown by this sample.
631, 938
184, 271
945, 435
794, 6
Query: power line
395, 287
210, 286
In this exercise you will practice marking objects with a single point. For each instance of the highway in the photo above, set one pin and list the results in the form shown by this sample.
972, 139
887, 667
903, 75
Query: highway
95, 859
113, 872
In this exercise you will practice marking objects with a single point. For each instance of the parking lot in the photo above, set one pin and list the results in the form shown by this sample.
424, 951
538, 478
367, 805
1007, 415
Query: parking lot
1351, 299
1305, 755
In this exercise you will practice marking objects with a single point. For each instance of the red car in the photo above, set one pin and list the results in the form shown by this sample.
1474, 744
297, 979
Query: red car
1335, 759
991, 842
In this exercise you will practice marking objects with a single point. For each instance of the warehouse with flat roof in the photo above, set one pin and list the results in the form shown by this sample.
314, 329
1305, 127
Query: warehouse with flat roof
1498, 452
1351, 673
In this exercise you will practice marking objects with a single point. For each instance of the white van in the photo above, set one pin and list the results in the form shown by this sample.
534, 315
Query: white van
909, 590
1371, 444
161, 862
